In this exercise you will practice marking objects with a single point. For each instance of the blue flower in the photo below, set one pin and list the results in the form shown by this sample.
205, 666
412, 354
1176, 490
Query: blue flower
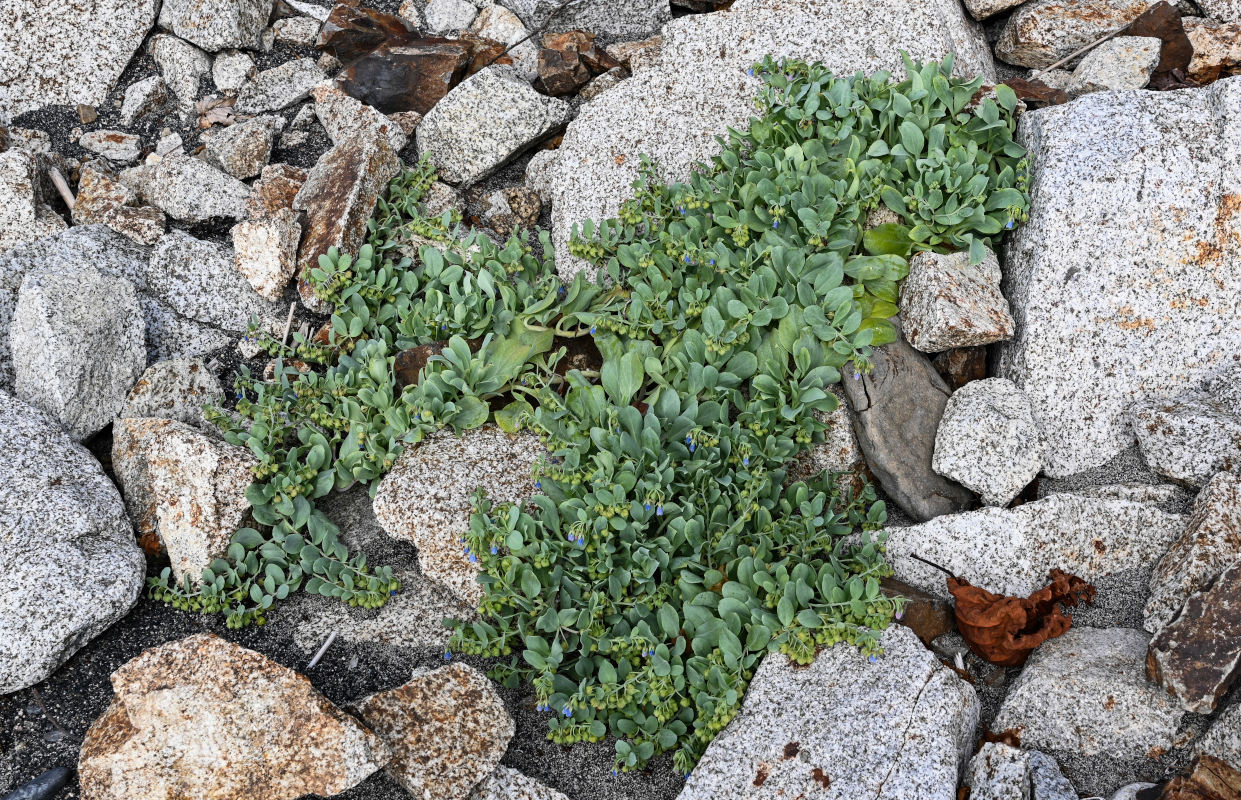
473, 558
712, 262
568, 712
648, 506
687, 258
873, 659
659, 511
1009, 226
615, 773
569, 537
746, 461
494, 549
447, 656
681, 209
857, 376
592, 330
691, 448
561, 292
900, 614
750, 71
688, 439
467, 549
775, 223
538, 484
581, 540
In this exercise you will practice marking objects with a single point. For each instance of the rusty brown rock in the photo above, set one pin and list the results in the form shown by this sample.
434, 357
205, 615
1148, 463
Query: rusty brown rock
265, 251
338, 197
507, 210
409, 363
1217, 49
1041, 32
447, 730
353, 31
1209, 779
274, 190
927, 615
411, 76
1197, 656
561, 72
960, 365
205, 719
104, 200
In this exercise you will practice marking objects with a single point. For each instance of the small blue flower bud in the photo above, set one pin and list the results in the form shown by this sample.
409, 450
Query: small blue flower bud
648, 506
900, 614
750, 71
447, 656
712, 262
691, 448
746, 461
857, 376
1009, 226
592, 330
687, 258
873, 659
775, 223
615, 773
538, 484
494, 549
473, 558
659, 511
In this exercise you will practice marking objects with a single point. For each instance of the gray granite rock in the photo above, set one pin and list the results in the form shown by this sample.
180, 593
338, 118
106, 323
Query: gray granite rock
1125, 62
191, 190
116, 146
142, 97
344, 117
999, 772
1223, 738
485, 121
175, 389
673, 110
24, 216
265, 251
198, 280
445, 16
425, 498
279, 87
219, 24
506, 783
1211, 541
946, 302
981, 9
1187, 439
183, 65
230, 71
896, 410
57, 56
988, 441
242, 149
1010, 551
300, 31
77, 342
1042, 32
1222, 10
447, 729
915, 717
1085, 693
629, 20
1118, 301
497, 22
81, 572
838, 452
1047, 782
1130, 791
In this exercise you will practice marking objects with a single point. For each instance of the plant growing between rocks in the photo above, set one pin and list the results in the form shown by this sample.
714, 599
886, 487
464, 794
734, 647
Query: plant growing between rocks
666, 554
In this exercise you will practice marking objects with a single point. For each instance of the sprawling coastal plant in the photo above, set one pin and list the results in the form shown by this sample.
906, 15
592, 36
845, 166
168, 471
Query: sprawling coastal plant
668, 550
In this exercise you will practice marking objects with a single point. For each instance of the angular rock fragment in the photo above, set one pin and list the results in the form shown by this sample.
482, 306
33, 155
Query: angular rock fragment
1197, 655
54, 56
407, 77
1126, 62
988, 441
632, 20
1042, 32
426, 497
339, 196
499, 24
981, 9
1188, 439
230, 71
143, 97
272, 736
1010, 551
344, 117
274, 190
896, 409
219, 24
946, 302
447, 729
999, 772
1217, 48
279, 87
182, 65
123, 148
82, 571
798, 728
101, 199
838, 452
1222, 10
445, 16
24, 216
175, 389
78, 345
353, 31
1085, 694
1211, 541
491, 117
1223, 738
199, 281
301, 31
506, 783
266, 251
190, 190
561, 69
961, 365
184, 487
507, 210
242, 149
1078, 274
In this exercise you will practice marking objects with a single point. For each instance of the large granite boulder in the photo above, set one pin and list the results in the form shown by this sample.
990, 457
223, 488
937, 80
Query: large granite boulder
1042, 32
1122, 282
218, 24
628, 20
1190, 438
69, 567
24, 216
1011, 550
202, 718
57, 56
673, 110
901, 727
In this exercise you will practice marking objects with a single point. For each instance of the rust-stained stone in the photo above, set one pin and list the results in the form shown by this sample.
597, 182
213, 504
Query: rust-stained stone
1210, 543
425, 499
1217, 48
205, 719
274, 190
1209, 779
265, 251
568, 60
960, 365
447, 730
1197, 655
338, 197
927, 615
353, 31
410, 76
1042, 32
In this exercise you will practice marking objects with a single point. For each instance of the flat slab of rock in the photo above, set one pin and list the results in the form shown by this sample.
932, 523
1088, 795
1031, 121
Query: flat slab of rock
447, 729
174, 389
896, 411
56, 57
1210, 543
78, 344
633, 20
1085, 694
1125, 62
1000, 772
1197, 655
271, 735
1102, 285
219, 24
425, 498
673, 110
191, 190
242, 149
988, 441
265, 251
506, 783
279, 87
1223, 738
1042, 32
486, 120
82, 571
1010, 551
842, 727
946, 302
1188, 439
